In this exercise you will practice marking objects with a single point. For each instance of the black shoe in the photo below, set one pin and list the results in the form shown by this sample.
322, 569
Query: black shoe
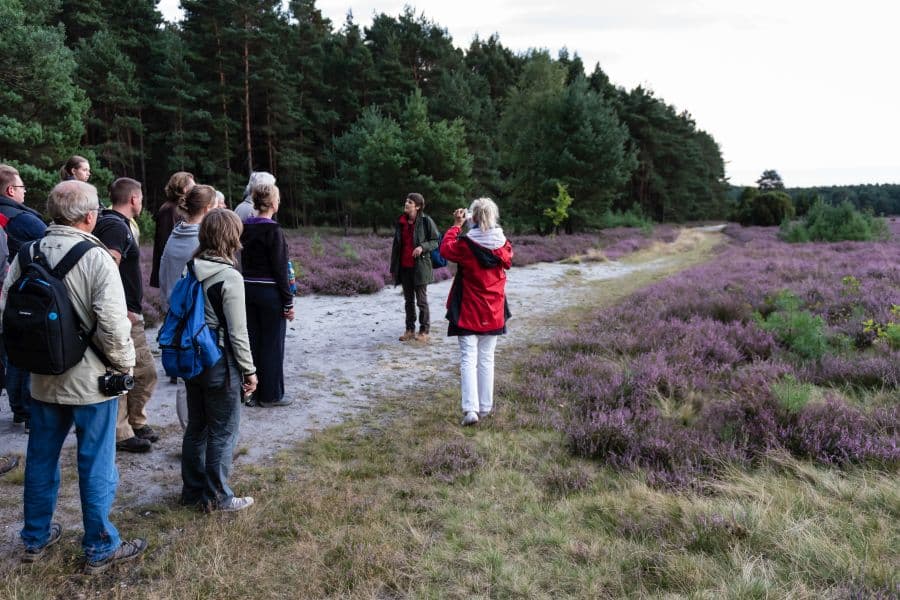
133, 444
173, 380
8, 463
35, 554
27, 425
20, 418
146, 433
282, 402
127, 551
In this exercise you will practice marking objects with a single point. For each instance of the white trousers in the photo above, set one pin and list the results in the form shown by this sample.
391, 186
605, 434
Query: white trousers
476, 367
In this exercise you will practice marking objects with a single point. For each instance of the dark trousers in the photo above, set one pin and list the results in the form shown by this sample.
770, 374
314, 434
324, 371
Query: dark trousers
266, 326
214, 415
414, 295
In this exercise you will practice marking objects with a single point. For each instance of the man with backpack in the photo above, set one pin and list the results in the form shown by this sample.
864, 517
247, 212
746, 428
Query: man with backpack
21, 225
92, 300
114, 230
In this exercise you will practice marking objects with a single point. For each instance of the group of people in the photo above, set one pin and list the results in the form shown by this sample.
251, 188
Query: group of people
105, 288
241, 259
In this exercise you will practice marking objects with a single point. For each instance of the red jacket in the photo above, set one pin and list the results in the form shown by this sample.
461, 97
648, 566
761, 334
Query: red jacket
477, 301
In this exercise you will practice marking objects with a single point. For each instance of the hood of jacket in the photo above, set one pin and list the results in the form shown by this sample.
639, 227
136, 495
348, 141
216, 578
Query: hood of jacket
491, 239
185, 230
208, 266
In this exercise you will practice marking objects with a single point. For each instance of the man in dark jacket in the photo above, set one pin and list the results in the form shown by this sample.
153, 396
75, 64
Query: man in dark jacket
22, 225
415, 236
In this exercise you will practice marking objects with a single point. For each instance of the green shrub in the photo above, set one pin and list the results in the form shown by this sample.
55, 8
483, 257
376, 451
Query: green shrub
633, 217
791, 394
800, 331
827, 223
146, 225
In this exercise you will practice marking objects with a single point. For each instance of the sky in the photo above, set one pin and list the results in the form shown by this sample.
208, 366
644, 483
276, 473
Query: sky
808, 88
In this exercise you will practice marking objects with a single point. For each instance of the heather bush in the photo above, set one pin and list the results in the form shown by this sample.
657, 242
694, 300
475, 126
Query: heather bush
722, 363
451, 460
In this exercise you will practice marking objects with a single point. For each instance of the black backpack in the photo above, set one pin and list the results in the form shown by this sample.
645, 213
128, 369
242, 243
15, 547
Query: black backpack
41, 330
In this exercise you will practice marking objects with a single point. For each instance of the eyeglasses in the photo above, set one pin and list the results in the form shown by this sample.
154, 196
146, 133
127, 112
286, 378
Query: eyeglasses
21, 186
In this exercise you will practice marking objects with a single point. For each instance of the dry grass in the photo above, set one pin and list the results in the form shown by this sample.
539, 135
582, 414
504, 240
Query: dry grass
360, 511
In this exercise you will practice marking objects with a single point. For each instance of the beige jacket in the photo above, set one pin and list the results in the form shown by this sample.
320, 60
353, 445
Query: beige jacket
95, 290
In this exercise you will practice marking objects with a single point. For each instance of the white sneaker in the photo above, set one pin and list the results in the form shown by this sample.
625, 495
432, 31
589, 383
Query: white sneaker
471, 418
483, 413
236, 504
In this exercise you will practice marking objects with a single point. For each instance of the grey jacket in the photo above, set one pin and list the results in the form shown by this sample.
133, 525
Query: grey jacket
95, 290
212, 271
180, 247
245, 209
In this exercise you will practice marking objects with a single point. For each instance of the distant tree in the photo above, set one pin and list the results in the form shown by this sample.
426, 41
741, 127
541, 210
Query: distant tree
43, 113
559, 212
770, 180
765, 209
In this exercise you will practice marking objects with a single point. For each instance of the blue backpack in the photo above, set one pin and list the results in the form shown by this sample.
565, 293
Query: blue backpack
188, 345
437, 259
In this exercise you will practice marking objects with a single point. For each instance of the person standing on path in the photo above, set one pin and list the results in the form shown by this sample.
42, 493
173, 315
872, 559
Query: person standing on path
74, 397
415, 236
214, 396
21, 224
133, 434
270, 302
477, 307
179, 185
184, 239
245, 209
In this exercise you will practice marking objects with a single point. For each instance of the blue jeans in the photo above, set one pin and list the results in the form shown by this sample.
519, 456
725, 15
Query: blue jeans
214, 415
95, 428
18, 388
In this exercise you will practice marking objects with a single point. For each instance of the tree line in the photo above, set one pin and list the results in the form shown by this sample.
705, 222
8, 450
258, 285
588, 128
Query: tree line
349, 119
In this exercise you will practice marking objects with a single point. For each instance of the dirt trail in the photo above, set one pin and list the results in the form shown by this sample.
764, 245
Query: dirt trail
340, 354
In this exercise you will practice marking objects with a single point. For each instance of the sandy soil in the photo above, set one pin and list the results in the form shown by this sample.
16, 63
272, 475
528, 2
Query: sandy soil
341, 354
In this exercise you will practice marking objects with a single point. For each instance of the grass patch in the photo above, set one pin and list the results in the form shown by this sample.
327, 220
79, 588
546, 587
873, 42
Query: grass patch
402, 502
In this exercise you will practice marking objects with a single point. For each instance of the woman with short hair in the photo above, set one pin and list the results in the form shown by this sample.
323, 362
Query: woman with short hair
214, 396
415, 236
270, 302
477, 307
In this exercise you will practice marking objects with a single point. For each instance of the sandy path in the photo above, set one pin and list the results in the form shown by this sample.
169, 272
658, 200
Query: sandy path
341, 353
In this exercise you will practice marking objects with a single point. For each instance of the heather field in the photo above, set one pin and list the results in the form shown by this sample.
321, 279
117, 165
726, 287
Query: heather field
724, 425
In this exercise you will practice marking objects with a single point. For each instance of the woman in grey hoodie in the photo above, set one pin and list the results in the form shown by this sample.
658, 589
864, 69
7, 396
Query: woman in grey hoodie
183, 240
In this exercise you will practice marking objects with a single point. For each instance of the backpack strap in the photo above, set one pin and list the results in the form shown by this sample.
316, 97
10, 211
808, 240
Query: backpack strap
70, 259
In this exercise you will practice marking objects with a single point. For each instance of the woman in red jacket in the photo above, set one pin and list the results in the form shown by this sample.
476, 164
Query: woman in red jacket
477, 308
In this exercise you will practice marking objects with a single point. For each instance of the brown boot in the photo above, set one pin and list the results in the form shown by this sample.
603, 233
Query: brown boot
422, 336
407, 336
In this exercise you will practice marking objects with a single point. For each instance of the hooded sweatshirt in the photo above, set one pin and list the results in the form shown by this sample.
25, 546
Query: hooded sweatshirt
222, 283
180, 247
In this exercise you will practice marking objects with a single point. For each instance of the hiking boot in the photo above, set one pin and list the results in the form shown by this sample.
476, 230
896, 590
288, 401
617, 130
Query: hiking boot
127, 551
146, 433
470, 418
422, 337
236, 504
282, 402
35, 554
409, 335
8, 463
133, 444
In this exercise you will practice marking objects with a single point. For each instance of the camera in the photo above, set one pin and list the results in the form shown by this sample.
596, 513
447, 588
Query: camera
114, 384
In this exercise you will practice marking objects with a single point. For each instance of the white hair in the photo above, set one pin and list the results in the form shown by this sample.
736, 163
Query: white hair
220, 200
485, 213
70, 202
257, 178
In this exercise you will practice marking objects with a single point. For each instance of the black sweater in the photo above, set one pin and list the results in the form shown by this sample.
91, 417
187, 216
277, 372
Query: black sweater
264, 257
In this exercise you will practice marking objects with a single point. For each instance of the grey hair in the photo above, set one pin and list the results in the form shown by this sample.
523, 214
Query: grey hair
220, 200
257, 178
70, 202
485, 213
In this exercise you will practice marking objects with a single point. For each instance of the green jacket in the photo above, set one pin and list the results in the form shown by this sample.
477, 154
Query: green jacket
425, 234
